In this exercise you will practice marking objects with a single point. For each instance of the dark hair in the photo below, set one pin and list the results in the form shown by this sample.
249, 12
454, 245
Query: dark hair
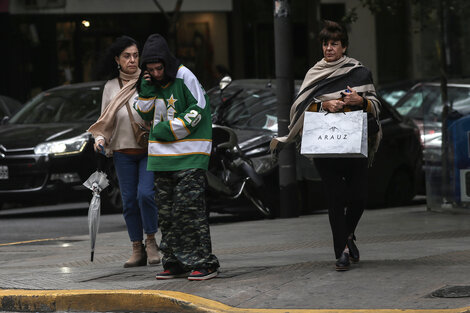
334, 31
107, 68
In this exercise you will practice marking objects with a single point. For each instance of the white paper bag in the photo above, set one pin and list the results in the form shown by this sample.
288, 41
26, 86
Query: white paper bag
338, 135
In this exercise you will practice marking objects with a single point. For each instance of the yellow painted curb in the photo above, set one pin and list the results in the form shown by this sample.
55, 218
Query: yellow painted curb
144, 301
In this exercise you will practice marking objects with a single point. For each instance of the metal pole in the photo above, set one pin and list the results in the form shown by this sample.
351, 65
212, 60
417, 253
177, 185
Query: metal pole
444, 62
289, 203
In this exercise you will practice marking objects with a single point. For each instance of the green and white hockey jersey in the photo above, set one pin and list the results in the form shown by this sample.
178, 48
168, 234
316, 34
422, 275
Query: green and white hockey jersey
181, 133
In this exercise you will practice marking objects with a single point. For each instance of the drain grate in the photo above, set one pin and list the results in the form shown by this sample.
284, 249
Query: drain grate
452, 292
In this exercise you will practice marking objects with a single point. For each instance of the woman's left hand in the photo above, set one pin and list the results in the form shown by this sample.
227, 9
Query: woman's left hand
147, 76
352, 98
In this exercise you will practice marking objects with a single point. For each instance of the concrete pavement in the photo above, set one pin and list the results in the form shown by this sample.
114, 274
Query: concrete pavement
412, 260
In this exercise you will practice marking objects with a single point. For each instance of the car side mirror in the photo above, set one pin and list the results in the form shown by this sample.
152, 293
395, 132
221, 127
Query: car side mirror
224, 82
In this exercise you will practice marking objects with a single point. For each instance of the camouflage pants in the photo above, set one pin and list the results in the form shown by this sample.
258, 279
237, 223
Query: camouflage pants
186, 240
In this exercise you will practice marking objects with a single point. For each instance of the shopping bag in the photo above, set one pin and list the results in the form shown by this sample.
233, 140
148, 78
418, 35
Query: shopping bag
338, 135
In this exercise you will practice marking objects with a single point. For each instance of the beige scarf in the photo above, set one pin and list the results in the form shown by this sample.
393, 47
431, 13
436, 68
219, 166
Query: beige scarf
105, 124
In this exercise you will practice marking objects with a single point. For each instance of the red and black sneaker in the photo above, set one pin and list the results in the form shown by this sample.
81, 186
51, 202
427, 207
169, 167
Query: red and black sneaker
172, 273
203, 274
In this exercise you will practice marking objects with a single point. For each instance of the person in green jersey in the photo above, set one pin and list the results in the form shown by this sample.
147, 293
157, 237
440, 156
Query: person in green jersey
180, 141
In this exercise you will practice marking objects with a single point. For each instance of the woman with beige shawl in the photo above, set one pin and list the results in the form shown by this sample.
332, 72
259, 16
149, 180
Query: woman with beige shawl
335, 84
114, 136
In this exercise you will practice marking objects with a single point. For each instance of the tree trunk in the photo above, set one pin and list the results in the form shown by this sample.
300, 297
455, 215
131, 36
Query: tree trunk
172, 22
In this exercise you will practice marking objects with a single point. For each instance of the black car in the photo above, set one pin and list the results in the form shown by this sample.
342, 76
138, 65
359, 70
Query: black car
46, 153
250, 106
8, 107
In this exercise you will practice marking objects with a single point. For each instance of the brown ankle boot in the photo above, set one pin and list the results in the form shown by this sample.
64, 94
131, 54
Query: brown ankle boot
153, 256
138, 257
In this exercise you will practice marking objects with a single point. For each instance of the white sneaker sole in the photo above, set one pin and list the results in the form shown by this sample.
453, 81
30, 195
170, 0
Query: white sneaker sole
208, 276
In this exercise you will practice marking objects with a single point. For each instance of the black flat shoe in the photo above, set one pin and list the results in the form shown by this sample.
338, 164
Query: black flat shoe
353, 250
342, 264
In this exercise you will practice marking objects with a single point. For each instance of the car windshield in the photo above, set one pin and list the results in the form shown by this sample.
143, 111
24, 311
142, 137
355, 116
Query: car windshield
12, 104
392, 96
248, 107
425, 101
393, 92
61, 106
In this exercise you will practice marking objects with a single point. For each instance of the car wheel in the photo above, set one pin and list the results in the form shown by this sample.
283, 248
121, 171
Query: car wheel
111, 195
400, 189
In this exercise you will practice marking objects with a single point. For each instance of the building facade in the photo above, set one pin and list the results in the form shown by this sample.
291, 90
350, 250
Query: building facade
53, 42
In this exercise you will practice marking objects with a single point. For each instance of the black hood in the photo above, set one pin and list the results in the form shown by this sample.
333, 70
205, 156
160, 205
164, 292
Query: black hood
156, 50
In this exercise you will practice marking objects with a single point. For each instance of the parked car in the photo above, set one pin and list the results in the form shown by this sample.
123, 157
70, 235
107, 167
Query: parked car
249, 106
392, 92
8, 107
423, 104
46, 153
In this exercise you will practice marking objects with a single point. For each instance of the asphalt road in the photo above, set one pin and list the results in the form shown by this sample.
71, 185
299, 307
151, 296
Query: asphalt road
44, 222
19, 224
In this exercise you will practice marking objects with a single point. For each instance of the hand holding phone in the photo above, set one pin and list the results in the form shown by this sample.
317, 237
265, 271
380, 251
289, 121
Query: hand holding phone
99, 146
101, 149
351, 97
147, 76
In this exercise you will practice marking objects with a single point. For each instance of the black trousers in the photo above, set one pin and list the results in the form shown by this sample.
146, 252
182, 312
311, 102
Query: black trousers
345, 182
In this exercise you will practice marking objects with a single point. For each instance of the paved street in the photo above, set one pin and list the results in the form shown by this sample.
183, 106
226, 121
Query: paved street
407, 254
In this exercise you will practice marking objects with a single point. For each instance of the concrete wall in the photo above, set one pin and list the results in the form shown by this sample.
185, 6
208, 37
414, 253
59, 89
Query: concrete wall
362, 42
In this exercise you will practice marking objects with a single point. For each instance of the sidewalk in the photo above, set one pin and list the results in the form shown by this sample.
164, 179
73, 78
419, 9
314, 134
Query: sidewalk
281, 265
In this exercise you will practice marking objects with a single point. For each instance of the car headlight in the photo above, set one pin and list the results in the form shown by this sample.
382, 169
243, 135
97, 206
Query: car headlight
63, 147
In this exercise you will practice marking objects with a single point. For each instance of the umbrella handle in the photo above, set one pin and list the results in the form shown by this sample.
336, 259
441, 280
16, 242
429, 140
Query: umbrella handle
92, 255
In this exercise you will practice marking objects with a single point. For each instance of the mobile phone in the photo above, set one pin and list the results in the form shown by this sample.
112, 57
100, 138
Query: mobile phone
343, 92
101, 148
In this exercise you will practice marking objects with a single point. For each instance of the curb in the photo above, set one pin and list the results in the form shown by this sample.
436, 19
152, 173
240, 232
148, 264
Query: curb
105, 301
15, 300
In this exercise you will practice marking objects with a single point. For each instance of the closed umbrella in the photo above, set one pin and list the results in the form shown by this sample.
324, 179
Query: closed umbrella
96, 183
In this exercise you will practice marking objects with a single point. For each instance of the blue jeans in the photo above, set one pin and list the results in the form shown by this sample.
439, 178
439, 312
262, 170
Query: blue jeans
138, 194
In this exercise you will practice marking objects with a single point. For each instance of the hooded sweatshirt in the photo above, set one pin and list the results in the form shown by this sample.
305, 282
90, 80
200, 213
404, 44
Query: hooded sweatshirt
181, 134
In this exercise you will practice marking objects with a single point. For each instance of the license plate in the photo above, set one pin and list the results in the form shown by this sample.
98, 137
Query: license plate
3, 172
